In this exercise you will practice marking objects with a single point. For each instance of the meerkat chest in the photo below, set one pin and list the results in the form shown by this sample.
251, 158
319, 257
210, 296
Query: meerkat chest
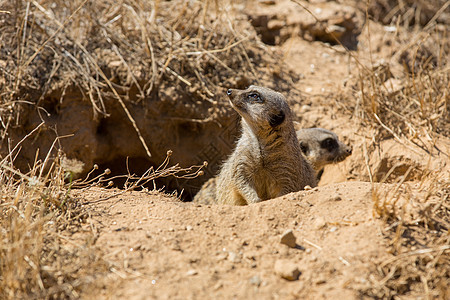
267, 185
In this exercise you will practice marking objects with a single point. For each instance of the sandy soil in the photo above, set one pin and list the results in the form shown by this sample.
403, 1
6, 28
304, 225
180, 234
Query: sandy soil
158, 247
176, 250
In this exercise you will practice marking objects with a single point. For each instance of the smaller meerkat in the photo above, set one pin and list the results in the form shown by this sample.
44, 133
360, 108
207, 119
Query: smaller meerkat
267, 161
320, 147
207, 194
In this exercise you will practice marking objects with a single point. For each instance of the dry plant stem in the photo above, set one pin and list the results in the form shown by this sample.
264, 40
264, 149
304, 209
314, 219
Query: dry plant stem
61, 26
91, 81
312, 244
49, 151
127, 112
87, 182
344, 261
20, 142
148, 43
436, 15
30, 179
175, 74
443, 249
219, 50
22, 48
151, 175
116, 50
99, 70
394, 135
366, 161
252, 69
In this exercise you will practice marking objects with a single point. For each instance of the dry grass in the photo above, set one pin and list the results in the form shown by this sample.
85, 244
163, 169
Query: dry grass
407, 95
417, 229
39, 257
413, 108
37, 211
124, 51
405, 13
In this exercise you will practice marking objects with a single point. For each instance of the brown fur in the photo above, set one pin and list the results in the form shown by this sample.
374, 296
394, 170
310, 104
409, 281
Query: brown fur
314, 149
207, 194
267, 162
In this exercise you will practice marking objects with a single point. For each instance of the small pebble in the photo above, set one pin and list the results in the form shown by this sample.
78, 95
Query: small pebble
191, 272
287, 270
320, 280
233, 257
267, 2
288, 238
255, 280
319, 223
305, 108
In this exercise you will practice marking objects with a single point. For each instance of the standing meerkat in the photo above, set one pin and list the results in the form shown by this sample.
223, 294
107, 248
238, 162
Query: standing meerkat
267, 161
319, 146
322, 147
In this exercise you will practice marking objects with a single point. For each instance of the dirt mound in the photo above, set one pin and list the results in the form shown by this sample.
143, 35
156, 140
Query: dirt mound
186, 250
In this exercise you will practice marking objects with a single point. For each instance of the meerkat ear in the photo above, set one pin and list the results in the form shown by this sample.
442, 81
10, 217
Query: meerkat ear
277, 119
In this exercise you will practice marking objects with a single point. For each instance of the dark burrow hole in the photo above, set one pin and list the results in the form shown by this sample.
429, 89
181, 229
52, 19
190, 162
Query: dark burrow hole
122, 167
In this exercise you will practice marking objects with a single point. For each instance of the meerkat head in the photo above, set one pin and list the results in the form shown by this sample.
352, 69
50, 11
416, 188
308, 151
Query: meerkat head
260, 107
322, 147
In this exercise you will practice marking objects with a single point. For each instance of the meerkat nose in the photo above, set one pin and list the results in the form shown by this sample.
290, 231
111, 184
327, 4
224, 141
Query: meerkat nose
349, 150
229, 92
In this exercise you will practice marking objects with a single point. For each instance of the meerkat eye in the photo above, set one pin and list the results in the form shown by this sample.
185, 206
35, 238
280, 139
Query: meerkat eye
255, 97
304, 147
329, 144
